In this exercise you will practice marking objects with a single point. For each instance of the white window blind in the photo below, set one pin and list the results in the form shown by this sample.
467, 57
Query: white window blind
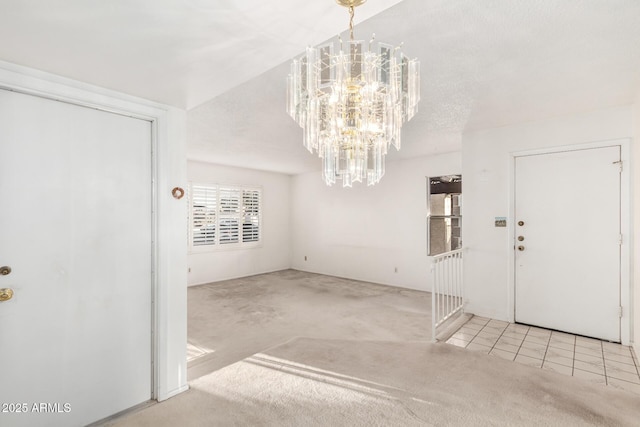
230, 205
203, 215
224, 216
250, 215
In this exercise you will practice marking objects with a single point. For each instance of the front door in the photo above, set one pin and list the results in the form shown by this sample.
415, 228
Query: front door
567, 247
75, 229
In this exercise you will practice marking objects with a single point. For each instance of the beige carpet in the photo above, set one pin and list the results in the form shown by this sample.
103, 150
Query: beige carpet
322, 382
231, 320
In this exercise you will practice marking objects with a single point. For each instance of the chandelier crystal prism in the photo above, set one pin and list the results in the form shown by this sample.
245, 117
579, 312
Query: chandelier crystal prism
351, 99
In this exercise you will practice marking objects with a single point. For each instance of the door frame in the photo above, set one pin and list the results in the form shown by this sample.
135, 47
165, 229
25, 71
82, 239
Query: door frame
35, 83
626, 284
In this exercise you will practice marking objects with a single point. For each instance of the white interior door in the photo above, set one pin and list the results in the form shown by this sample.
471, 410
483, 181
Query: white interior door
567, 266
75, 227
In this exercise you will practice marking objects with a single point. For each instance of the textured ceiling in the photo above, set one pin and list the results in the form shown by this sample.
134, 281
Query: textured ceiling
178, 52
484, 63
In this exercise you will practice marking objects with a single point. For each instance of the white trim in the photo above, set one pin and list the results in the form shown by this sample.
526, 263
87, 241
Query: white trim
56, 87
243, 276
626, 284
154, 260
176, 391
33, 82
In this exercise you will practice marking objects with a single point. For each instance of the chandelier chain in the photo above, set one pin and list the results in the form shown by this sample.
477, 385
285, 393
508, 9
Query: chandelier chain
351, 14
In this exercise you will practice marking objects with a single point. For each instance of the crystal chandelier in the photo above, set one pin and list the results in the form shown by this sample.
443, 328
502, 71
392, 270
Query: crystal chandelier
351, 100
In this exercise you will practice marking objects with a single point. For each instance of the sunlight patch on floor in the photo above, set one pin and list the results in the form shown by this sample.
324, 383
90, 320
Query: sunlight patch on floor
329, 378
195, 352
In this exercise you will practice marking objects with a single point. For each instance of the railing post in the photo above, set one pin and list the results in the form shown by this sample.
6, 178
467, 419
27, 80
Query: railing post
447, 294
433, 300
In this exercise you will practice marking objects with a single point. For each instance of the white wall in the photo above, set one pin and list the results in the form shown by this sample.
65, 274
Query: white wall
364, 233
170, 171
273, 254
486, 161
636, 223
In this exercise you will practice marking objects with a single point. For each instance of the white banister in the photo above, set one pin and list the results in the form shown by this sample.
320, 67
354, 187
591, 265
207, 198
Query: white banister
446, 294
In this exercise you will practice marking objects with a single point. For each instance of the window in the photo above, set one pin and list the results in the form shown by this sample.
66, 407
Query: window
444, 201
223, 216
204, 210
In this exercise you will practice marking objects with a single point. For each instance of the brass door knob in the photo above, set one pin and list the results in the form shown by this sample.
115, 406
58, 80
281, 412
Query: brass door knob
520, 223
6, 294
520, 238
5, 270
521, 248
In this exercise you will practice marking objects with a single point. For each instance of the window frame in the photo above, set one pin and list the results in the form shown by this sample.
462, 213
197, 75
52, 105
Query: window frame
449, 217
228, 215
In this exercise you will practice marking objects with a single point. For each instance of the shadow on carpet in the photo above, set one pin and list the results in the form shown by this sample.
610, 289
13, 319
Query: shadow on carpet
312, 382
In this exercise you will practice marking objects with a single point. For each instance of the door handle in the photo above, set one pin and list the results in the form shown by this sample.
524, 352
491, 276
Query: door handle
5, 270
520, 238
6, 294
521, 248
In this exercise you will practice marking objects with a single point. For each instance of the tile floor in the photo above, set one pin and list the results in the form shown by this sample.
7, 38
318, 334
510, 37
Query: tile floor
587, 358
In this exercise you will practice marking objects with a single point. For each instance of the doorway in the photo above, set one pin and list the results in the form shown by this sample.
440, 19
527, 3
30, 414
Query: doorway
76, 225
444, 209
567, 248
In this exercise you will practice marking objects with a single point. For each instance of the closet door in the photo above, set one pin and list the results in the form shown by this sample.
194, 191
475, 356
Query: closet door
76, 231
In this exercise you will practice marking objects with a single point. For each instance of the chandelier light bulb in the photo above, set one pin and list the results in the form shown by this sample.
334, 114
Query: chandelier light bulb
351, 100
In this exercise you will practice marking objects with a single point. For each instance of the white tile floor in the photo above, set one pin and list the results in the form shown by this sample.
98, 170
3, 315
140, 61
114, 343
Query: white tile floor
596, 361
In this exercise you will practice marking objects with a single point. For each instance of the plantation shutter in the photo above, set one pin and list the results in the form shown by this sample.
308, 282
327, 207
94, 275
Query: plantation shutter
251, 215
203, 215
224, 216
230, 205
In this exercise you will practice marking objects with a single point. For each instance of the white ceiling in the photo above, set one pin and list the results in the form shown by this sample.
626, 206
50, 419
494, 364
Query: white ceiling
177, 52
484, 63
